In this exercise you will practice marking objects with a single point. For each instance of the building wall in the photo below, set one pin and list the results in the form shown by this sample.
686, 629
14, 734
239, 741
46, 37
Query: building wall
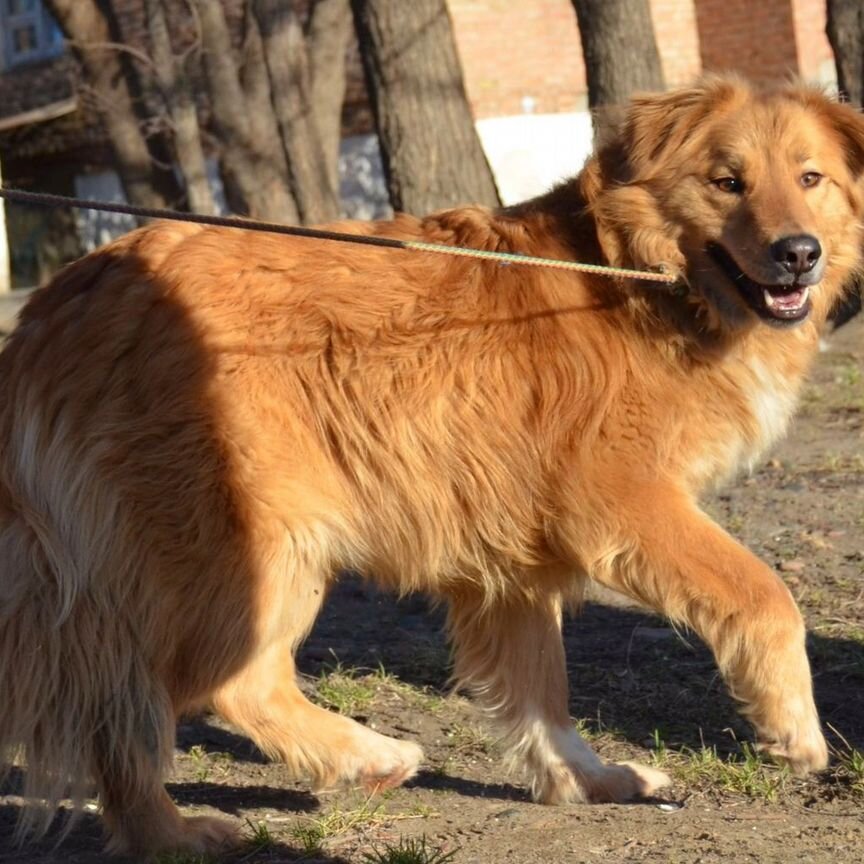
519, 57
769, 40
815, 57
677, 40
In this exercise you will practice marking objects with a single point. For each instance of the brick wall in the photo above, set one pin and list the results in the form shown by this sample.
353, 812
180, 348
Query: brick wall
512, 52
677, 40
754, 38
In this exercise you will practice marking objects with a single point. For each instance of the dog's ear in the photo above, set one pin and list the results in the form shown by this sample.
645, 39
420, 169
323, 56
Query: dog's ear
657, 123
849, 123
846, 120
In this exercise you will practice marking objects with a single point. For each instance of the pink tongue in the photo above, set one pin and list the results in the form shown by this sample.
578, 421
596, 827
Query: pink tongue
783, 302
788, 300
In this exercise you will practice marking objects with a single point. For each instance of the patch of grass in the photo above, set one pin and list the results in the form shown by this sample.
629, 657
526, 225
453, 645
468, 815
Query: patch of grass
586, 731
259, 836
745, 774
470, 738
350, 691
200, 761
409, 850
205, 762
345, 690
659, 753
850, 769
735, 523
313, 832
848, 375
421, 697
838, 463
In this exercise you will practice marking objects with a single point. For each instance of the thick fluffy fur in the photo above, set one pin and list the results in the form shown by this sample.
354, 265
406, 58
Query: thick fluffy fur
201, 427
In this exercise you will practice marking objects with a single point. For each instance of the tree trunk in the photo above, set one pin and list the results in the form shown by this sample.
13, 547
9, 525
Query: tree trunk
845, 29
90, 25
246, 158
327, 33
177, 92
620, 53
429, 146
5, 274
263, 127
291, 90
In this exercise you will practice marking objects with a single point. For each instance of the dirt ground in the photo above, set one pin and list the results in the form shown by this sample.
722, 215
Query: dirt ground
639, 690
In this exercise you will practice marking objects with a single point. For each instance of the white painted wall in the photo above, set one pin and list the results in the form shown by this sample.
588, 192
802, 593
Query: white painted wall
529, 153
94, 228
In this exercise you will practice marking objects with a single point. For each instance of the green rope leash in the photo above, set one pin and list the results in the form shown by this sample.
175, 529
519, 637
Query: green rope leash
44, 199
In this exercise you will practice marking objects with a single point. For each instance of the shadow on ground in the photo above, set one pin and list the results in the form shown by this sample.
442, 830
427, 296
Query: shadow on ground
630, 673
84, 843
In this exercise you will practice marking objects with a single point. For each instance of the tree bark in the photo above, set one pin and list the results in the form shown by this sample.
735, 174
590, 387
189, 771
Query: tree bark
328, 30
291, 89
621, 55
263, 127
5, 274
430, 149
90, 25
176, 90
845, 29
246, 158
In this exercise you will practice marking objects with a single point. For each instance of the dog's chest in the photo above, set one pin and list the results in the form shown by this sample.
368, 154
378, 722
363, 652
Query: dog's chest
771, 397
744, 422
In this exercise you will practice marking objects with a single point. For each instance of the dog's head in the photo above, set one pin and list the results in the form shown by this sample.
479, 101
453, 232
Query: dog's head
754, 198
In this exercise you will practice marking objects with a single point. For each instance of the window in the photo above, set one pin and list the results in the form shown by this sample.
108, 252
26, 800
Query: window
29, 33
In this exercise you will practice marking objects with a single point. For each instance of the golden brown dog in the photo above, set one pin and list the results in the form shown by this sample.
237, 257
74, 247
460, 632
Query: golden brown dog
201, 427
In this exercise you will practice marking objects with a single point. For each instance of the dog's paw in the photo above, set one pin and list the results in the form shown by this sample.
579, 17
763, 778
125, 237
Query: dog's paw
803, 754
604, 784
196, 835
207, 835
626, 781
392, 766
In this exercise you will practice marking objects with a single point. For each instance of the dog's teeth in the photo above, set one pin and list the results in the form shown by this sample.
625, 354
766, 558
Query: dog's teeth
785, 302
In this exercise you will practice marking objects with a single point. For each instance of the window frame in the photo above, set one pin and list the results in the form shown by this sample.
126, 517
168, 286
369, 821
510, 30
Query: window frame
49, 39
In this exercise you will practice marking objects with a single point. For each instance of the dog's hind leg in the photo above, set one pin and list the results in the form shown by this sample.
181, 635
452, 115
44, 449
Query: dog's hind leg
263, 699
686, 567
510, 656
139, 815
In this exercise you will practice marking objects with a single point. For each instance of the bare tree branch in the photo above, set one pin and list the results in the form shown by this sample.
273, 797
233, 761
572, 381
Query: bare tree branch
247, 158
177, 93
291, 91
90, 27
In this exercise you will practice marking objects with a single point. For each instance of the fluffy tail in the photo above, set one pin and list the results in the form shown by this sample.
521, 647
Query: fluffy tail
66, 656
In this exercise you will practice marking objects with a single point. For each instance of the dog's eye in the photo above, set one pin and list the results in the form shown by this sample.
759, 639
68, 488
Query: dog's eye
810, 179
729, 184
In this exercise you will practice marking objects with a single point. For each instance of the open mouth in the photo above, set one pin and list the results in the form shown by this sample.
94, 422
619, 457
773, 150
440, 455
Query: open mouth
777, 304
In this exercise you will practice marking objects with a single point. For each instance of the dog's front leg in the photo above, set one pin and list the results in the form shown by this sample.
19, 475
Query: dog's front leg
509, 655
672, 557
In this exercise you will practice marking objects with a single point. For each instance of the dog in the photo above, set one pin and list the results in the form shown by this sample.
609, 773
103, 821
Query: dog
202, 426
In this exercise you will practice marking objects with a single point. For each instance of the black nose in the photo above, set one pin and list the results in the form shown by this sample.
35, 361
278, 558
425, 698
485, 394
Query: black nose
797, 254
